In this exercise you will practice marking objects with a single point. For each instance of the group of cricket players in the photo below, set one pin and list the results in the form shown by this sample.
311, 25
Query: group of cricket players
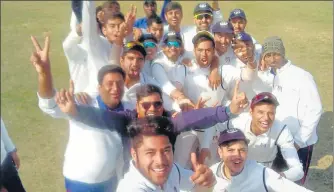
157, 105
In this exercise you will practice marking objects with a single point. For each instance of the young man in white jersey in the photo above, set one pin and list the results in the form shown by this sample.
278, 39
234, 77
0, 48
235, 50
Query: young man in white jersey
300, 105
152, 167
266, 135
204, 18
87, 147
237, 173
223, 34
150, 44
239, 21
168, 70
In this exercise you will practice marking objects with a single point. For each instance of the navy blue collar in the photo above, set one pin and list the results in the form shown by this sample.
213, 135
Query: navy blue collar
103, 106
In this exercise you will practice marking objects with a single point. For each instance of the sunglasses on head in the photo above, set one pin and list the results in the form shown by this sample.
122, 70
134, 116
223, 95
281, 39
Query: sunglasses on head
203, 15
132, 44
150, 44
175, 44
147, 105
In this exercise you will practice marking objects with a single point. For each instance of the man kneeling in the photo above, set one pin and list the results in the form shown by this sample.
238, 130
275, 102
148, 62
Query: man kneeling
235, 173
152, 167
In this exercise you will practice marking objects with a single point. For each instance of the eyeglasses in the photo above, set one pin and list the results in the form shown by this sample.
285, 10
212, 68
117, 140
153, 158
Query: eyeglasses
131, 44
175, 44
150, 44
264, 96
203, 15
147, 105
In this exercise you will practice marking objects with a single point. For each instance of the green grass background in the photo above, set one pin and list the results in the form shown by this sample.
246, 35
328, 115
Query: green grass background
305, 27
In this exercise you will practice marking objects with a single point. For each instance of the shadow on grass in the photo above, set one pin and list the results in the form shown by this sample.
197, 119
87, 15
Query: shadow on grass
321, 169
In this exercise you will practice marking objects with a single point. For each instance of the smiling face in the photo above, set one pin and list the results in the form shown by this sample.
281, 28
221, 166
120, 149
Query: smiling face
263, 117
111, 29
239, 24
204, 52
132, 63
153, 157
174, 17
243, 49
157, 30
150, 105
222, 41
234, 155
203, 21
172, 50
151, 49
111, 89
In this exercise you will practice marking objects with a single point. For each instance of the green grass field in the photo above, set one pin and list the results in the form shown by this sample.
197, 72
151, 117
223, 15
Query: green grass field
305, 27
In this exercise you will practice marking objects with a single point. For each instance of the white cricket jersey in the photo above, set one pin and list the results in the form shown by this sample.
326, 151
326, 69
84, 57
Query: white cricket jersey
130, 93
169, 74
253, 178
257, 85
263, 148
76, 56
300, 105
134, 181
227, 58
7, 145
92, 155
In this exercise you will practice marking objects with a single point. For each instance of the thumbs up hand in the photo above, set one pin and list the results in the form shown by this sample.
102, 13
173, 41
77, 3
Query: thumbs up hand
203, 175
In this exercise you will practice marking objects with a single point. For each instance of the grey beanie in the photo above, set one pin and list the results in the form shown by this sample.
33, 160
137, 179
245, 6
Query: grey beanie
273, 44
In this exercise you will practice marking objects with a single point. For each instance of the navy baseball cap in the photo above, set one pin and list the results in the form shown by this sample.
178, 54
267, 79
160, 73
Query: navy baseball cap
148, 2
243, 36
237, 13
230, 135
172, 36
222, 27
203, 8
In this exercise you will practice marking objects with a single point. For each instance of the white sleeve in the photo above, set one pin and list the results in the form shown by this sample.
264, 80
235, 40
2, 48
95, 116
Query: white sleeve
50, 107
276, 183
9, 146
229, 75
309, 111
91, 37
289, 153
73, 22
115, 54
70, 45
159, 73
185, 183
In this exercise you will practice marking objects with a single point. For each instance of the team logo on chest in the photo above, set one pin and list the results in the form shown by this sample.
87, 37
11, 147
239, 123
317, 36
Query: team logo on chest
227, 59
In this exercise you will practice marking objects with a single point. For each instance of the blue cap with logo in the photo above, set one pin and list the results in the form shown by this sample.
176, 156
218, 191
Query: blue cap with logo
222, 27
203, 8
172, 36
243, 36
231, 134
237, 13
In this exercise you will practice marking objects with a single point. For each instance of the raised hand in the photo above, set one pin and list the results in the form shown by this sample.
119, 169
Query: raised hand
65, 100
239, 100
205, 153
201, 103
136, 34
40, 57
83, 98
130, 19
203, 176
263, 65
215, 5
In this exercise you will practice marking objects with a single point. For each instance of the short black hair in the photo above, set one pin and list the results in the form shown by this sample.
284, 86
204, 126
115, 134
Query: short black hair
109, 69
110, 15
172, 6
107, 4
154, 19
146, 90
150, 126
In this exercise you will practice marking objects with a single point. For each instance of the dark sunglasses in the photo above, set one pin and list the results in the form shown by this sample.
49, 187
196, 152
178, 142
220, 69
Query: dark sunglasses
147, 105
203, 15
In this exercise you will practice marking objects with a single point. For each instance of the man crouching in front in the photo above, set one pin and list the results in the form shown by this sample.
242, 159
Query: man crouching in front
152, 167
